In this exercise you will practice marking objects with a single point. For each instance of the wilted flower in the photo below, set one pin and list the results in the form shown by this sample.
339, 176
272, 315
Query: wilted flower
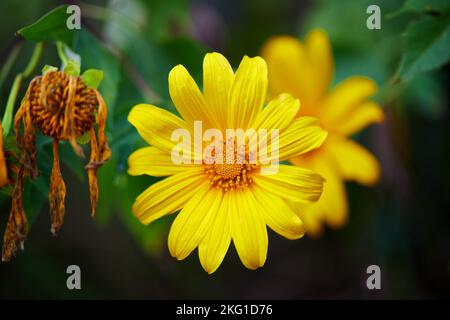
63, 107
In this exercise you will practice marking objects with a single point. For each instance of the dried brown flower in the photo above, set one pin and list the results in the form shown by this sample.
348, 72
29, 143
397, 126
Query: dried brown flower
63, 107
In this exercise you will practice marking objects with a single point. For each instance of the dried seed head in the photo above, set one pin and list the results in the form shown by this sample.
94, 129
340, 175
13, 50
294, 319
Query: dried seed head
61, 105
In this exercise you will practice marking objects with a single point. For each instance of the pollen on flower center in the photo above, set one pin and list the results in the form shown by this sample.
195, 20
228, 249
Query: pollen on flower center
230, 171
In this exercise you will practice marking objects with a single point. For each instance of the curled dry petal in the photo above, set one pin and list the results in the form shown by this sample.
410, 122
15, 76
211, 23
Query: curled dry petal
92, 172
17, 227
4, 180
104, 151
57, 193
27, 141
100, 152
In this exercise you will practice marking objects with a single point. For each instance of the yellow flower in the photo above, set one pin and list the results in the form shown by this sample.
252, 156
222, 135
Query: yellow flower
220, 202
305, 71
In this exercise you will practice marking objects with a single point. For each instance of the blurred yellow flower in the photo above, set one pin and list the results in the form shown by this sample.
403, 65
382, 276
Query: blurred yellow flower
219, 201
305, 70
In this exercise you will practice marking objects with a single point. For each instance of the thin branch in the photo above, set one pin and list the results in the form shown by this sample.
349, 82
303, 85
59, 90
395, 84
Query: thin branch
9, 110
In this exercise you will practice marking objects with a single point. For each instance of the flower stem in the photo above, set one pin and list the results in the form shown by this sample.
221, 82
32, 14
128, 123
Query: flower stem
12, 57
8, 115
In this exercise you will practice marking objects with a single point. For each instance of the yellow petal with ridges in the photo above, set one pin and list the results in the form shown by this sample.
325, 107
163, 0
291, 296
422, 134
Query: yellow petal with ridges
188, 99
302, 135
248, 229
168, 195
156, 125
217, 79
292, 183
278, 215
154, 162
248, 93
194, 221
278, 114
215, 244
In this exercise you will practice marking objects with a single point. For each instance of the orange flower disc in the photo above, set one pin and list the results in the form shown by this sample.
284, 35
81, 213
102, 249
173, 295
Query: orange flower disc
57, 96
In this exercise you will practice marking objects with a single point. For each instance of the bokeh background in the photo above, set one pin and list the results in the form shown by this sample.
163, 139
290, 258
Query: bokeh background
402, 225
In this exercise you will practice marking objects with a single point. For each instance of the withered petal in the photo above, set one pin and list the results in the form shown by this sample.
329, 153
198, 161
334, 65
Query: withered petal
92, 172
57, 193
17, 227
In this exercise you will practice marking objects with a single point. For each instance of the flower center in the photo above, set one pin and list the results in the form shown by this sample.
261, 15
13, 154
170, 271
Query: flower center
62, 105
230, 170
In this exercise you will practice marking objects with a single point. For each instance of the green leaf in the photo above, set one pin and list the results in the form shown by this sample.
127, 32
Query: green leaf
51, 27
48, 68
427, 46
426, 6
92, 78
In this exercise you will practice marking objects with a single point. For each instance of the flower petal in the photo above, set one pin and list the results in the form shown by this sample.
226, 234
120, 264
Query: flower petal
292, 183
319, 51
291, 70
156, 125
354, 161
334, 202
217, 79
345, 97
278, 114
278, 215
248, 229
168, 195
214, 246
312, 217
187, 97
303, 135
332, 206
361, 117
154, 162
193, 222
248, 93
